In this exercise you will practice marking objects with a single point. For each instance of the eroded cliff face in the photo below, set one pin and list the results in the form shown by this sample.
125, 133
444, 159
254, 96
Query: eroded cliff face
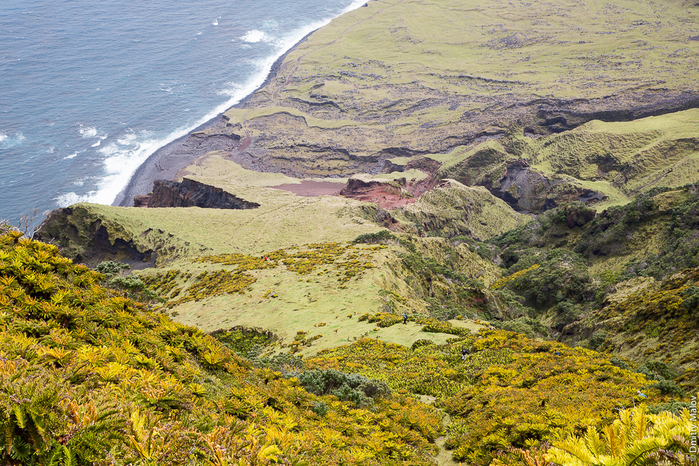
529, 191
86, 238
192, 193
436, 76
85, 234
405, 79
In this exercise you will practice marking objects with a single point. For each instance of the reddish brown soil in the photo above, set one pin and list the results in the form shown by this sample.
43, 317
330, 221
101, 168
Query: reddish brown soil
390, 197
312, 188
387, 196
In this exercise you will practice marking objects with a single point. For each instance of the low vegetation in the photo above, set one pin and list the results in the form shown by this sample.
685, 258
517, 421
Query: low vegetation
505, 394
88, 376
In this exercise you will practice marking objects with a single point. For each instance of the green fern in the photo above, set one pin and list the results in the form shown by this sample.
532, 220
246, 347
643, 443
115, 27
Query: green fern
635, 438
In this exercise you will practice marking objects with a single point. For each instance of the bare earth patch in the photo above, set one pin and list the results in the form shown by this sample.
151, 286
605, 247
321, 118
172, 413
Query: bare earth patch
309, 188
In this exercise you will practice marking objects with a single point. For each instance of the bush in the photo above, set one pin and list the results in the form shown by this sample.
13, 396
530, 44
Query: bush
649, 371
248, 342
135, 288
420, 343
131, 283
668, 387
619, 363
383, 236
347, 387
382, 319
597, 339
672, 407
513, 303
436, 326
320, 408
662, 369
691, 298
111, 268
287, 364
545, 278
532, 328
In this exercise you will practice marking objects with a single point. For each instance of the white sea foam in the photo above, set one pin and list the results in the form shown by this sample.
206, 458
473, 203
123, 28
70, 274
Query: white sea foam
64, 200
215, 23
71, 156
254, 36
231, 89
123, 157
87, 131
10, 141
97, 143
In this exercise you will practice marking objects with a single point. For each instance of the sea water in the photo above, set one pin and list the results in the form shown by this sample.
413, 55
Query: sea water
90, 88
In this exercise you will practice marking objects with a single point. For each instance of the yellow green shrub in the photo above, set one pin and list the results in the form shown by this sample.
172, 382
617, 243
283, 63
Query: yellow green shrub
501, 389
88, 376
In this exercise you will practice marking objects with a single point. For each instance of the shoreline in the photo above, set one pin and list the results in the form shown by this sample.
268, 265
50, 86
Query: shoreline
141, 181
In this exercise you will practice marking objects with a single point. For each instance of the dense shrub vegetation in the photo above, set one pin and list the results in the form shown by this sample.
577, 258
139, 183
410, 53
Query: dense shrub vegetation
88, 376
505, 393
91, 374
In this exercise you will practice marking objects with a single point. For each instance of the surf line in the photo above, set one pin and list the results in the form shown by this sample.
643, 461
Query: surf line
267, 71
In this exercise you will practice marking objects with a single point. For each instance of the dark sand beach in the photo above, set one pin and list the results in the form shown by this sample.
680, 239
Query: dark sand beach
168, 160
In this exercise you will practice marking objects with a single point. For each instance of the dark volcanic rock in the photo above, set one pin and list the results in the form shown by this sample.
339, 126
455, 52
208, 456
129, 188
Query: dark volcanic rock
141, 201
529, 191
88, 239
387, 195
356, 187
190, 193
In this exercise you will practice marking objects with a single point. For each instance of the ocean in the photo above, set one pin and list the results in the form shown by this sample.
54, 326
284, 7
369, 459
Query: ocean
89, 89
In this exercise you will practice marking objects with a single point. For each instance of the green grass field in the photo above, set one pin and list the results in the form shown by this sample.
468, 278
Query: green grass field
426, 75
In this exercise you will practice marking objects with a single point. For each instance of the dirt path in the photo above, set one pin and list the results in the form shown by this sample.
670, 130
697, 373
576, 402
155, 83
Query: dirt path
443, 457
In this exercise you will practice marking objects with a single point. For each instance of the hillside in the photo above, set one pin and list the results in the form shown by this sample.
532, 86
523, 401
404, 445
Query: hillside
405, 78
630, 276
441, 232
411, 77
92, 377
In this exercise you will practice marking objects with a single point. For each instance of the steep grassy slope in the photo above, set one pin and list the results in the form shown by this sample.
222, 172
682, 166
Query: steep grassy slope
88, 376
655, 322
314, 294
617, 160
405, 77
623, 280
452, 209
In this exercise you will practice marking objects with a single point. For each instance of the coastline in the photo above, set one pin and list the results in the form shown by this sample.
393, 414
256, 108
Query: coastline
169, 159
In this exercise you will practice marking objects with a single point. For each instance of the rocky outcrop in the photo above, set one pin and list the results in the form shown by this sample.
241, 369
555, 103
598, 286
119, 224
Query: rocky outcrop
167, 161
386, 195
86, 238
191, 193
514, 181
141, 201
529, 191
88, 234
